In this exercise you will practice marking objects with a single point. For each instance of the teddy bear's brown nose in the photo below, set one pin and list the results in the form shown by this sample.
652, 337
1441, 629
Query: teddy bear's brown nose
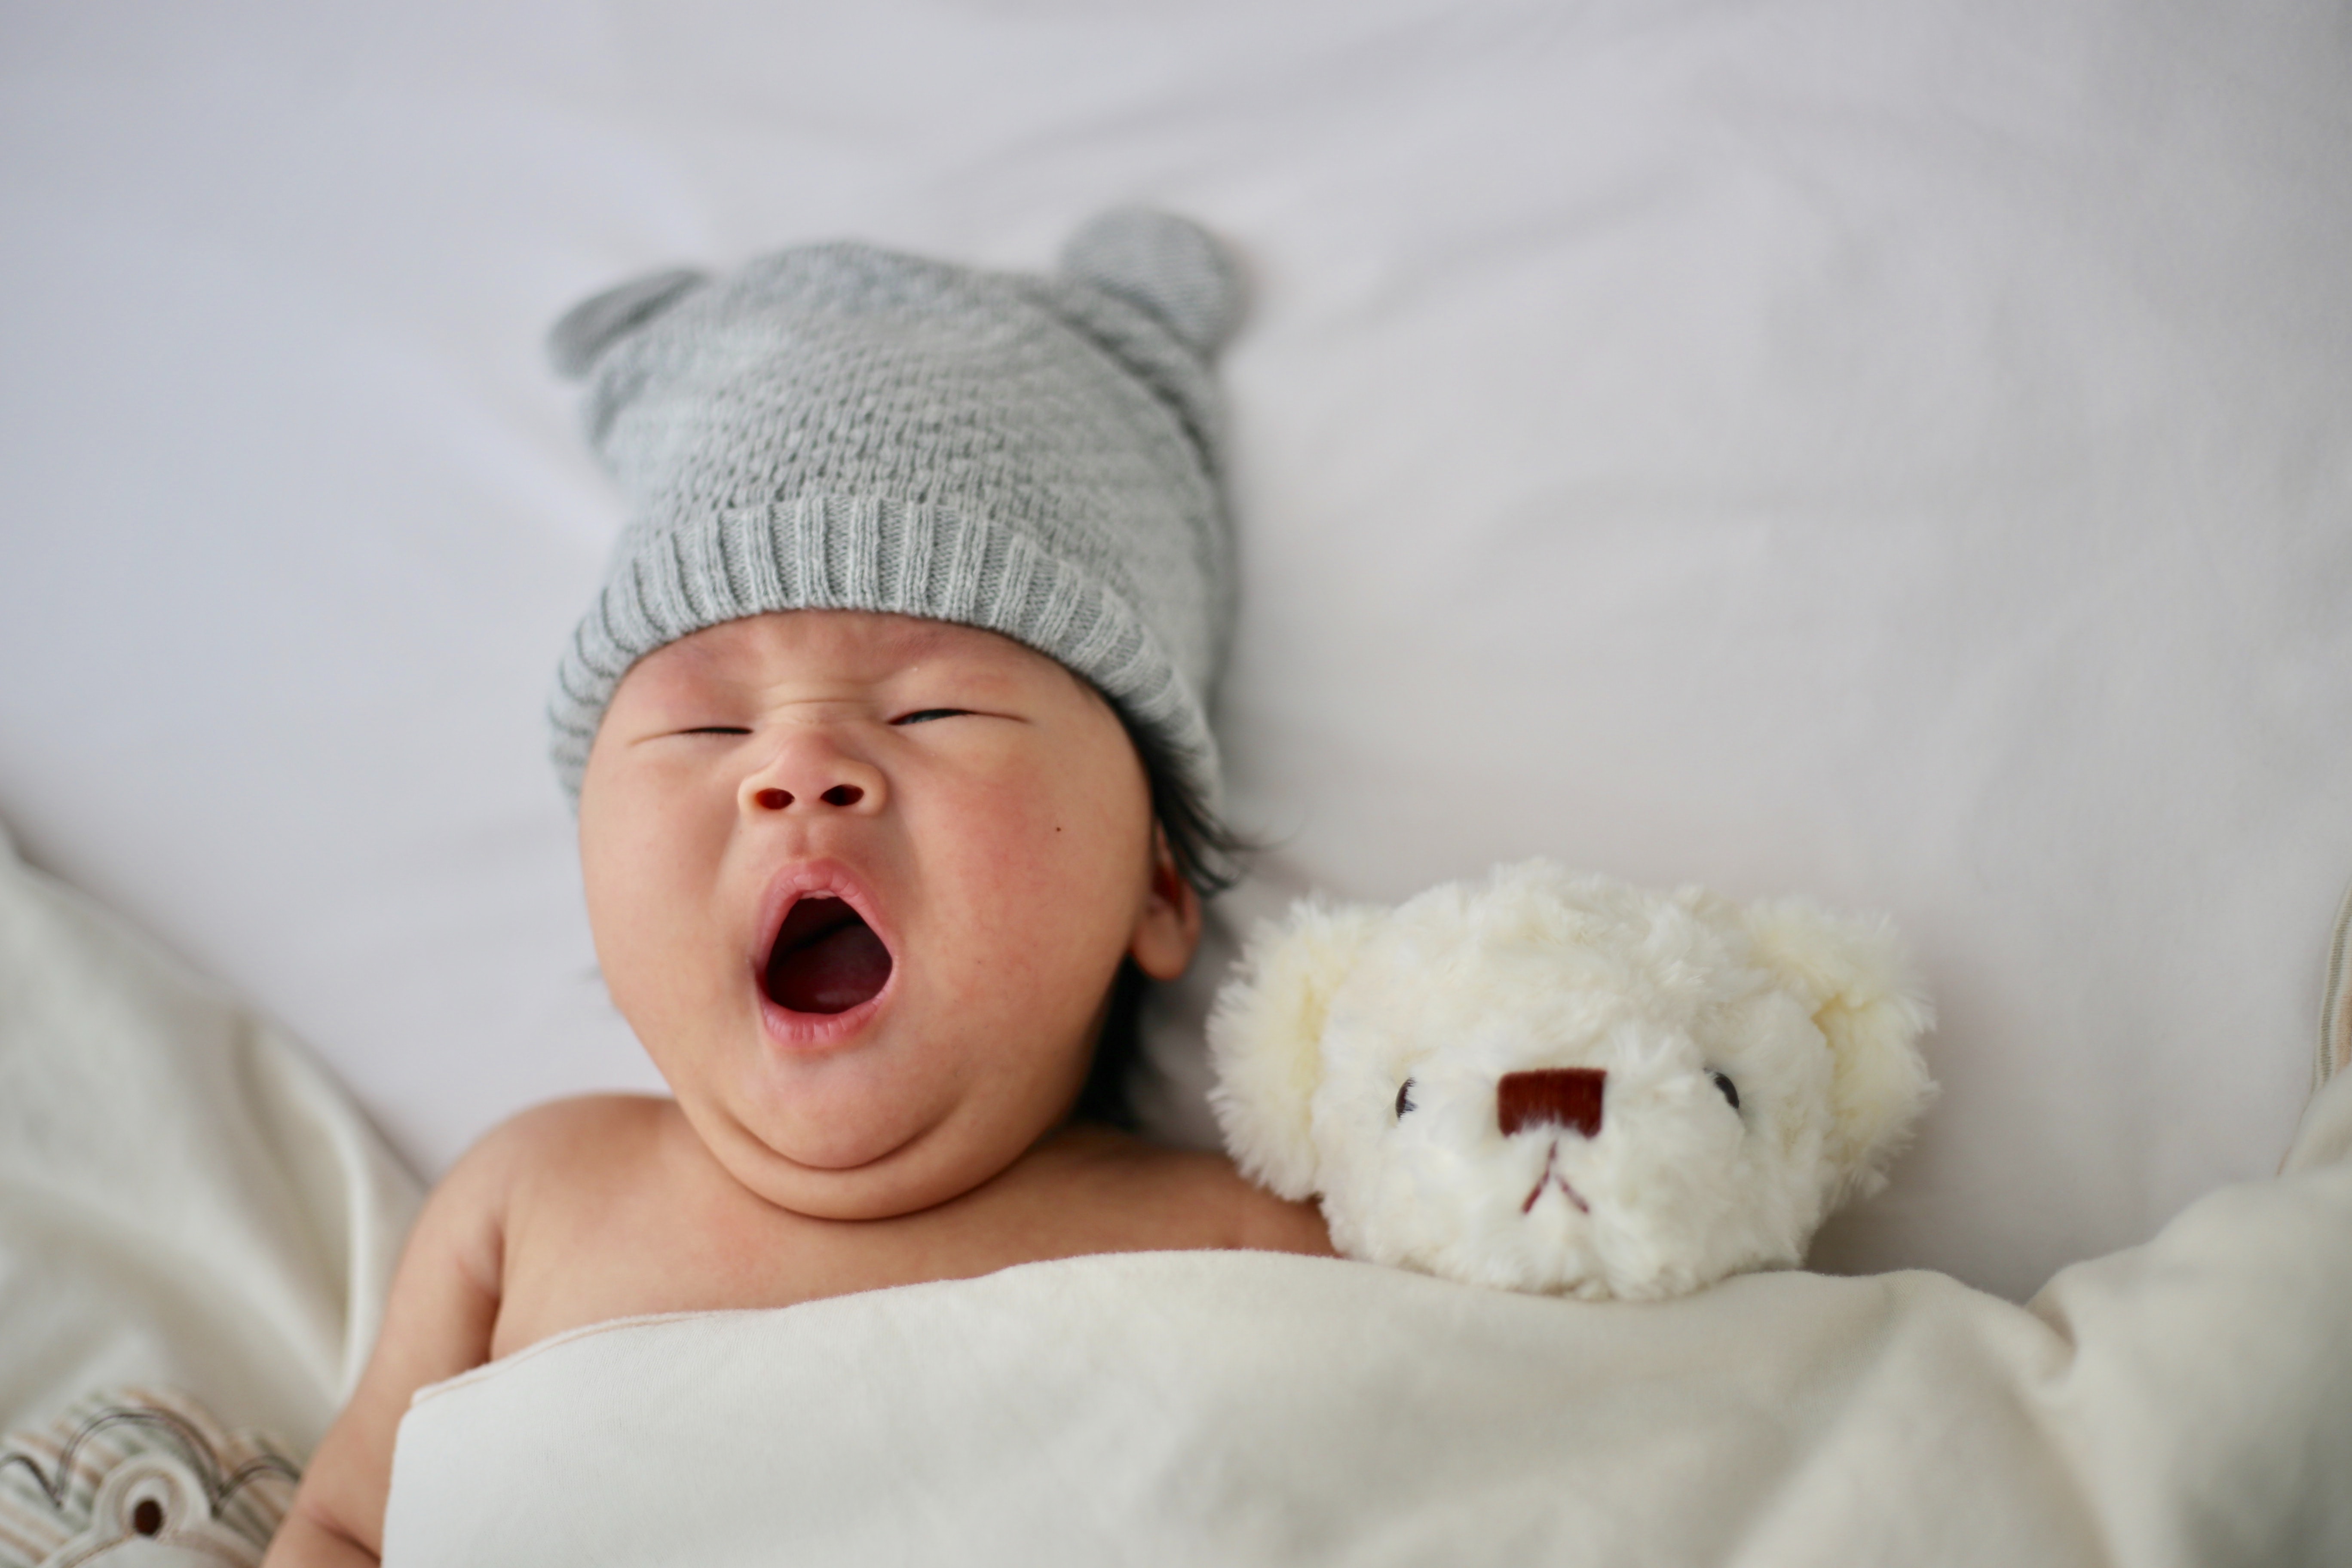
1559, 1096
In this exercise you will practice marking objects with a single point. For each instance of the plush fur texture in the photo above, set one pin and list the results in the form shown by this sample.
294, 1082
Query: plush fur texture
1358, 1053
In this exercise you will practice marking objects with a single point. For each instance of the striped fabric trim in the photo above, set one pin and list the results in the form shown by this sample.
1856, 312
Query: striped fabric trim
2334, 1054
132, 1463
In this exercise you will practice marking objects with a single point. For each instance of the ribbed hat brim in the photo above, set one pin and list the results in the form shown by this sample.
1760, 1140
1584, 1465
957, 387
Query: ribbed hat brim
868, 552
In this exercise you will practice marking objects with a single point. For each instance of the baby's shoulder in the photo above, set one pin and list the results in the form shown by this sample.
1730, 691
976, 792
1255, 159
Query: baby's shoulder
564, 1144
561, 1128
588, 1217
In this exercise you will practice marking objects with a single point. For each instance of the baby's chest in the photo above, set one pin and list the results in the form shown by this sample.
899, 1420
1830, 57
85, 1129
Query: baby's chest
569, 1267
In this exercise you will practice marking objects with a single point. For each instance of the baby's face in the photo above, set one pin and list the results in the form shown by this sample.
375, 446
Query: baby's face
861, 883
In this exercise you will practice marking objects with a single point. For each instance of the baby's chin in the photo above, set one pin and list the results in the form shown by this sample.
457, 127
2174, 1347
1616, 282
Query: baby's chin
880, 1169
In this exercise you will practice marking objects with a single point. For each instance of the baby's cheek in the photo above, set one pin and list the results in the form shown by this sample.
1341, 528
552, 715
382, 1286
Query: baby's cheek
1049, 855
651, 915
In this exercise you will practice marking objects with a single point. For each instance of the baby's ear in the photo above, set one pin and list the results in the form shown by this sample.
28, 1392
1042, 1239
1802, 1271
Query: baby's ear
579, 339
1866, 1002
1266, 1038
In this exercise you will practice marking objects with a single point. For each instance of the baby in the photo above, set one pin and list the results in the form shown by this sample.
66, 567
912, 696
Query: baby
894, 784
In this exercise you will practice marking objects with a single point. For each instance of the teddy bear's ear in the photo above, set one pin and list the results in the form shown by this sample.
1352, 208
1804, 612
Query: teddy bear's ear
1867, 1003
1266, 1038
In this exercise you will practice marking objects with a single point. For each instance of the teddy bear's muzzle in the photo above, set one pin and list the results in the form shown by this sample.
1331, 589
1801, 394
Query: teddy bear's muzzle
1551, 1097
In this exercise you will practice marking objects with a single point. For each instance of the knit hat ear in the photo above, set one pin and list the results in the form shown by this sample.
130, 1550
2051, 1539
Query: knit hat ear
1167, 265
579, 339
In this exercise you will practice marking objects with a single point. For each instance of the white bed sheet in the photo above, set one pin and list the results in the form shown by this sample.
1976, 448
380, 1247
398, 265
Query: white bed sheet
1893, 450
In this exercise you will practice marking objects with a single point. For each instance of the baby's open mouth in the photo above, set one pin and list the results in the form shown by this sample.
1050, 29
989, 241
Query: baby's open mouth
826, 959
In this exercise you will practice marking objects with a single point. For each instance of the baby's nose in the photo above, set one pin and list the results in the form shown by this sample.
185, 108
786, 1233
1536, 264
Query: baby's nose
775, 799
815, 777
1556, 1097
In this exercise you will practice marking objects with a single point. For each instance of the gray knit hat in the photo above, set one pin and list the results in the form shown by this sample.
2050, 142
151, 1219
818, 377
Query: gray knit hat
837, 427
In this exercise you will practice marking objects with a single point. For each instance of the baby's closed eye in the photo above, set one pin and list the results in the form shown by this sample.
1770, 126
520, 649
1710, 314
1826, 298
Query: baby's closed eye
925, 715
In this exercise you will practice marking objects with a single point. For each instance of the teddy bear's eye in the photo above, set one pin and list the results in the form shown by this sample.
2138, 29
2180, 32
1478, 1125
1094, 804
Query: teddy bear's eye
1404, 1098
1730, 1092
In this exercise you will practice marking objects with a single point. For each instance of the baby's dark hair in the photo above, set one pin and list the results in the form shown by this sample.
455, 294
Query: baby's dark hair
1208, 856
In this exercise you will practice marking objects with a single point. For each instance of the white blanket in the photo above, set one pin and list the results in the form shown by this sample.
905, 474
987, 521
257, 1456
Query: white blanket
2187, 1401
186, 1197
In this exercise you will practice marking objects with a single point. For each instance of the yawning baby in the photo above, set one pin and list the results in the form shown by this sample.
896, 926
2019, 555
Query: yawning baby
895, 788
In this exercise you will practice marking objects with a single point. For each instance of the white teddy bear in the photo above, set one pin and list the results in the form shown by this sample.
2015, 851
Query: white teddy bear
1554, 1082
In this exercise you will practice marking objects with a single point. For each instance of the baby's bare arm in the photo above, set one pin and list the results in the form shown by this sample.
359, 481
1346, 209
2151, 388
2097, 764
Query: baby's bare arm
437, 1323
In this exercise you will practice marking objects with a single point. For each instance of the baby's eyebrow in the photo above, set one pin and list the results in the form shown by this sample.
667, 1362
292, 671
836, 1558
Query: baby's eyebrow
937, 646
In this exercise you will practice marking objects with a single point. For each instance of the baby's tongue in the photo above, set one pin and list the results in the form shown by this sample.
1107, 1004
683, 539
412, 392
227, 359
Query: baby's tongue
826, 959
